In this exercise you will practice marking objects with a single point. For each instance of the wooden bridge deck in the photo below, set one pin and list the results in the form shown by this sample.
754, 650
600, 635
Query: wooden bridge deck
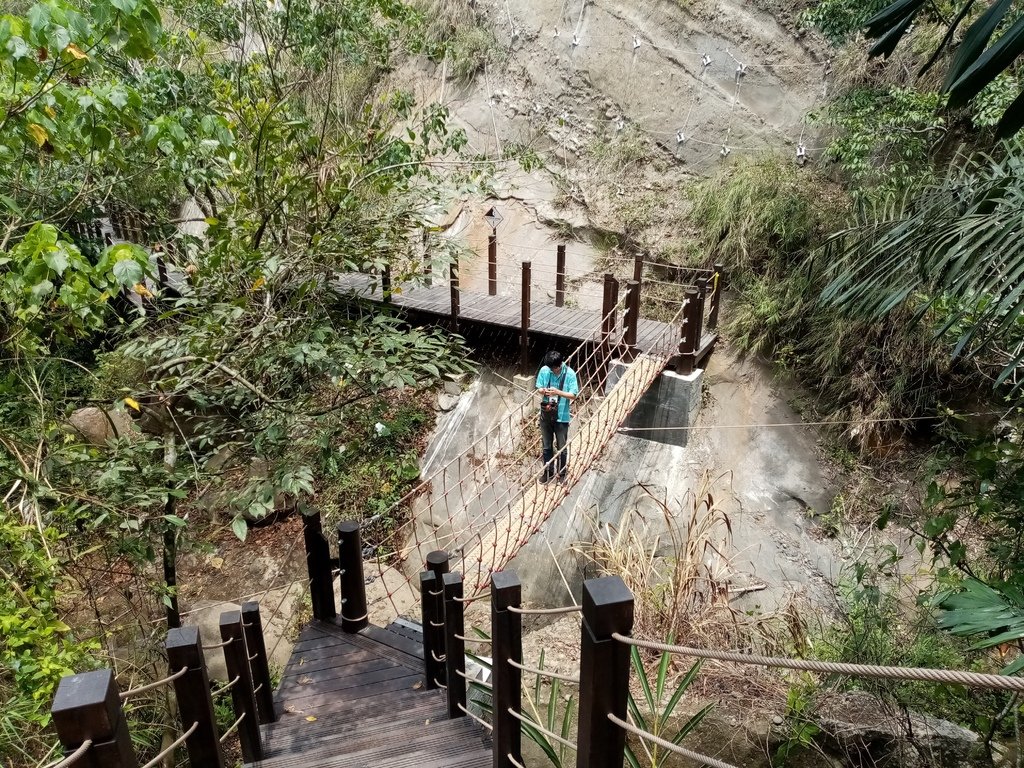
358, 701
572, 325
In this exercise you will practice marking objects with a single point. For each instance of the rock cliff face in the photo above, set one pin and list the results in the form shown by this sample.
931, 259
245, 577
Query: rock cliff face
625, 103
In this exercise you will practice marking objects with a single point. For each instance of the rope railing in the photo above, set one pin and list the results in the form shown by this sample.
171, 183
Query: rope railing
473, 680
215, 646
172, 746
545, 611
225, 687
149, 687
683, 751
541, 729
232, 728
479, 721
544, 672
919, 674
69, 760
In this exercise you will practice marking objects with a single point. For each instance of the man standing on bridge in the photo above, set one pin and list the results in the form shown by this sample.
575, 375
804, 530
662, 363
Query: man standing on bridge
558, 387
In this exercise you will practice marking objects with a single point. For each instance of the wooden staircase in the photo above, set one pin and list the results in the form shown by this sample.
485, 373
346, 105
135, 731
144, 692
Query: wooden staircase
359, 701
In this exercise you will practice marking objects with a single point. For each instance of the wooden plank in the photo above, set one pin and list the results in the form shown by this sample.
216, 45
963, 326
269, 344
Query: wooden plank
330, 700
344, 685
341, 664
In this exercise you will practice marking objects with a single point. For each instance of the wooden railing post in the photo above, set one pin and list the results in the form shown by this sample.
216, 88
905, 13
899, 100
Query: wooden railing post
604, 672
607, 318
506, 644
560, 276
318, 563
687, 346
631, 321
524, 325
454, 647
432, 597
259, 664
698, 314
453, 287
428, 266
385, 283
87, 707
492, 264
716, 295
192, 692
236, 658
638, 268
353, 584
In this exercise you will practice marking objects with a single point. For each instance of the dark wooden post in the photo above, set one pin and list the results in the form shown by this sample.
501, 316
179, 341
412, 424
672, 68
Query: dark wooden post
631, 320
607, 318
453, 287
506, 644
716, 296
524, 326
88, 707
428, 266
385, 283
687, 346
455, 648
192, 691
433, 661
698, 314
492, 264
604, 672
236, 658
560, 276
353, 584
318, 563
638, 268
259, 664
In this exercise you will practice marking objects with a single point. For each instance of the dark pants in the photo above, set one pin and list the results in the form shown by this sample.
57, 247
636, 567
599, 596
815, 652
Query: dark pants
552, 436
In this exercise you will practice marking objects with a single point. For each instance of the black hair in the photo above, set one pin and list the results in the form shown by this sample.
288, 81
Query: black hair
553, 359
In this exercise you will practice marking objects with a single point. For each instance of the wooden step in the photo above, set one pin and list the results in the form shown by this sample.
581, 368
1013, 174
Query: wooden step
446, 743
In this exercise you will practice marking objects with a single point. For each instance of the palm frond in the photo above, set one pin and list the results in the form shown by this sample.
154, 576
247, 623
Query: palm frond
960, 241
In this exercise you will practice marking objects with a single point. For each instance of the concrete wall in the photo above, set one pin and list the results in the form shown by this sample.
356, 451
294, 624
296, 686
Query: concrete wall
667, 408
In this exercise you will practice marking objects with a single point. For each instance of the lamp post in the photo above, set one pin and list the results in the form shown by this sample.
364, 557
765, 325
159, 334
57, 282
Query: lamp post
493, 218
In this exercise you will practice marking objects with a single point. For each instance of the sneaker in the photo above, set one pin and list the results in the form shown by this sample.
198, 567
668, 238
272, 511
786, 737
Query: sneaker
545, 479
563, 480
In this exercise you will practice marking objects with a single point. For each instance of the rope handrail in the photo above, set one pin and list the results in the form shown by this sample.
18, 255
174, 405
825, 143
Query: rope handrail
545, 611
440, 685
357, 618
172, 746
544, 672
484, 723
920, 674
439, 659
514, 762
143, 688
472, 599
541, 729
695, 756
215, 646
225, 687
473, 680
71, 759
233, 727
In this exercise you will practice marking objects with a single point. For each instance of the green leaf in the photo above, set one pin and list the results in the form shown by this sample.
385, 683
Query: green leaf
175, 521
975, 39
57, 260
128, 272
986, 67
240, 527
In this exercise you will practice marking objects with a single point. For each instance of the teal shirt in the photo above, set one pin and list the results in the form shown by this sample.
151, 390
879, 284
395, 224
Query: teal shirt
545, 378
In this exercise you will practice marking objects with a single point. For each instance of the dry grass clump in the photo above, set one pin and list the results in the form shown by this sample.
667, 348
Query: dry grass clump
676, 562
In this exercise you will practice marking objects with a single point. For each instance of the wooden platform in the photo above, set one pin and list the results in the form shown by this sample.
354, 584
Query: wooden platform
358, 701
434, 302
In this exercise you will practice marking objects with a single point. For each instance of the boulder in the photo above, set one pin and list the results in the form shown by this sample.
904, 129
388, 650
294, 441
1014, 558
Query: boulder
97, 426
869, 732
